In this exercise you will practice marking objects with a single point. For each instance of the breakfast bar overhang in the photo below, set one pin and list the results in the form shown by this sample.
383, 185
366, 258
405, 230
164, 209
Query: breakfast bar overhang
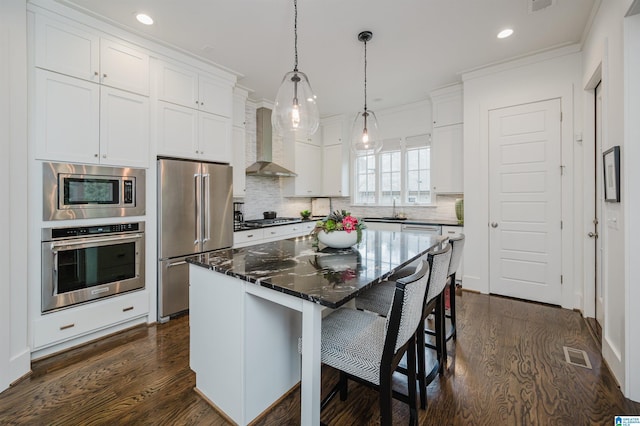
256, 314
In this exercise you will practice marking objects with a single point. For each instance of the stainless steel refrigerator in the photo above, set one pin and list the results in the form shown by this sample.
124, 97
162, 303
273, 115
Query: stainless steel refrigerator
195, 215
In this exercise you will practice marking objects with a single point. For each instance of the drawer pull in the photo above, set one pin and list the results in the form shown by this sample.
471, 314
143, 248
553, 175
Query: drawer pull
250, 236
451, 232
130, 308
64, 327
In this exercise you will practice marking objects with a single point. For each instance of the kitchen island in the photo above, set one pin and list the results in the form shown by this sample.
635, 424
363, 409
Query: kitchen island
255, 310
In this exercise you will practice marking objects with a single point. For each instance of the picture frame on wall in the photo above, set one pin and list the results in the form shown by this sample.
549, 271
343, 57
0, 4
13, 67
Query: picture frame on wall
611, 170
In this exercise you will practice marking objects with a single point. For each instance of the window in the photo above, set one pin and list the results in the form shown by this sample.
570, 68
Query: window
401, 172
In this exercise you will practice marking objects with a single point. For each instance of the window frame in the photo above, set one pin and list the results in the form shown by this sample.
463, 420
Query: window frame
403, 145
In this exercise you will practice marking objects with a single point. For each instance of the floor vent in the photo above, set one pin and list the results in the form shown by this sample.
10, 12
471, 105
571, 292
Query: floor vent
576, 357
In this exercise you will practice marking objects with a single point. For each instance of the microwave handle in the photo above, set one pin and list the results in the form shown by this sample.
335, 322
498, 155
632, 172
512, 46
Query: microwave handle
68, 243
207, 205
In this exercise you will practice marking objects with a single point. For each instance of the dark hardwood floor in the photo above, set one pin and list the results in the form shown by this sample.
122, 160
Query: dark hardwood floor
507, 367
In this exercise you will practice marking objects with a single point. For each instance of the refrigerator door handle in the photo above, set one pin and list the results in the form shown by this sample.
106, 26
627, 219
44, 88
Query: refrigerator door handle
197, 189
206, 191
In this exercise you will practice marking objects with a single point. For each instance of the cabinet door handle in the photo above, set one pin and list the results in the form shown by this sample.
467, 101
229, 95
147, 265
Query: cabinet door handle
128, 308
65, 327
96, 73
104, 75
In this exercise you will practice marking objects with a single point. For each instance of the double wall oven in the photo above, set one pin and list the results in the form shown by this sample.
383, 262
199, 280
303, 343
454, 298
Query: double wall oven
85, 262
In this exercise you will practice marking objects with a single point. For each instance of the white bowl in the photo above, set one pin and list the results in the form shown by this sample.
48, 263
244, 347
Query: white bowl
338, 239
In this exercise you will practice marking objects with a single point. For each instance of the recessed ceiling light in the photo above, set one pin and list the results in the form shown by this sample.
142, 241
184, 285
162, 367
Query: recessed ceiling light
505, 33
143, 18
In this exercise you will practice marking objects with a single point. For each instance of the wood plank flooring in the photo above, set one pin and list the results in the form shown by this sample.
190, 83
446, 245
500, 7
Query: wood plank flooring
507, 367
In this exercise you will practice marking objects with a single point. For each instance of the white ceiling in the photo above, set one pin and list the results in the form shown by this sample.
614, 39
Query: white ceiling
417, 45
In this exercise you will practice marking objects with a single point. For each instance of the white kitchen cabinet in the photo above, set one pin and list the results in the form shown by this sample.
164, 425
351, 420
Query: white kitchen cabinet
248, 238
332, 131
78, 51
186, 86
189, 133
84, 122
58, 327
272, 233
239, 162
238, 142
239, 107
447, 160
124, 67
335, 158
446, 141
335, 171
67, 118
308, 165
451, 231
384, 226
215, 138
447, 106
124, 128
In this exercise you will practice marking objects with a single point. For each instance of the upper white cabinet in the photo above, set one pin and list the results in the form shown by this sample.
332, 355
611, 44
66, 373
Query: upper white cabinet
307, 163
78, 51
183, 85
447, 141
335, 158
446, 159
194, 113
76, 120
185, 132
238, 144
447, 106
90, 98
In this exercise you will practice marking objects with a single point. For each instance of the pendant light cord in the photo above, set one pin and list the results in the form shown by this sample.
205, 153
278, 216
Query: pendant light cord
365, 76
295, 33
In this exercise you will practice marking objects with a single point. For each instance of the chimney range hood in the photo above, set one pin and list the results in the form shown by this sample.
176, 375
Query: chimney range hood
264, 166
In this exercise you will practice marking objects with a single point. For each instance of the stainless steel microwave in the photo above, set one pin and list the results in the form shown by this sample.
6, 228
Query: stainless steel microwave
76, 191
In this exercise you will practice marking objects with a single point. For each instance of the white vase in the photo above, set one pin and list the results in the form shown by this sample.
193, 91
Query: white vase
338, 239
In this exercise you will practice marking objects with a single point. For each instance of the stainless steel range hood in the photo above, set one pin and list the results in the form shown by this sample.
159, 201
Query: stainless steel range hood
265, 166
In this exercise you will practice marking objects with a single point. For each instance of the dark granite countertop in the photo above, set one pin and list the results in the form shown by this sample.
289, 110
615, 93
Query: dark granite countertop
330, 277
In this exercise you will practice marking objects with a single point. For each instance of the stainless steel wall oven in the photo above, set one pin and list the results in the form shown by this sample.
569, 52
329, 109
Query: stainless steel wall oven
84, 263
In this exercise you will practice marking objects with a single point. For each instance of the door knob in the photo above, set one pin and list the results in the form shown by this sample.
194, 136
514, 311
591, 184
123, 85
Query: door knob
592, 235
494, 224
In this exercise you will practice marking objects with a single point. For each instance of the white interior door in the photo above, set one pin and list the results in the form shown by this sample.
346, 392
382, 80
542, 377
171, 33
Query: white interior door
525, 201
599, 185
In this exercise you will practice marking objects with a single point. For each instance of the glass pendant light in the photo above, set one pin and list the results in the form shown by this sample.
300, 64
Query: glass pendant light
295, 108
365, 137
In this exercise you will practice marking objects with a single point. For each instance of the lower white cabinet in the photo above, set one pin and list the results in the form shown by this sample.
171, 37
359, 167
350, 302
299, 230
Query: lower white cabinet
451, 231
273, 233
384, 226
57, 327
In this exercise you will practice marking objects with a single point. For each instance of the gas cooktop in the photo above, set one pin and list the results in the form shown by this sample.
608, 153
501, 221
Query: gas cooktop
263, 223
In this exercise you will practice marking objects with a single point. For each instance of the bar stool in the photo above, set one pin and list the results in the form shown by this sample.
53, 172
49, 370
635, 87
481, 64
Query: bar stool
367, 347
376, 300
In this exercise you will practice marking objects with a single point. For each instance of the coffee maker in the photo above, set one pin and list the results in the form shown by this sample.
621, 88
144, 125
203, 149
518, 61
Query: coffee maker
238, 214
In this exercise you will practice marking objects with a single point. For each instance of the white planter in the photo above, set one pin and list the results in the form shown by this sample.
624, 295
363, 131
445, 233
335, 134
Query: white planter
338, 239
